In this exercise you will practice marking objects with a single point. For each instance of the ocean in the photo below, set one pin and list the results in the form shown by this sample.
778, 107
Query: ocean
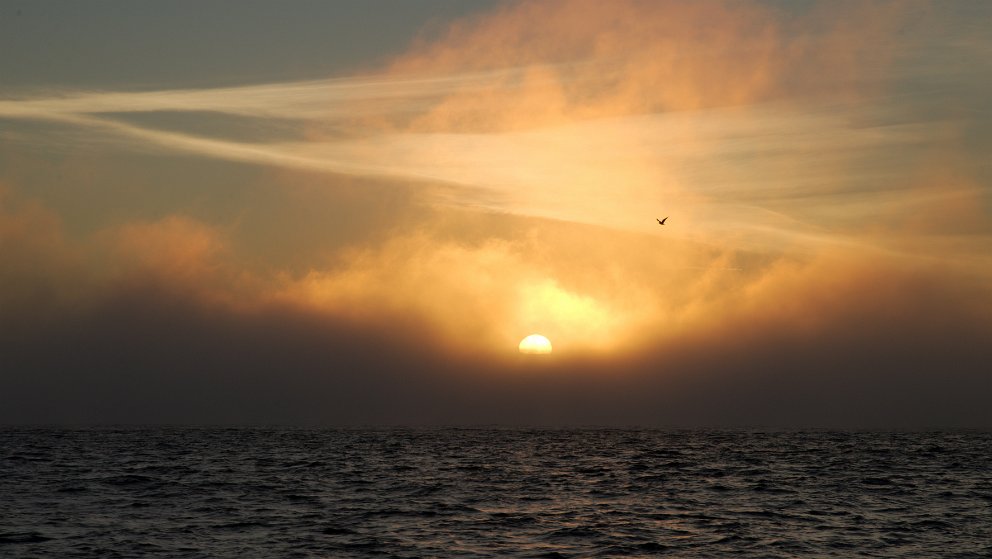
274, 492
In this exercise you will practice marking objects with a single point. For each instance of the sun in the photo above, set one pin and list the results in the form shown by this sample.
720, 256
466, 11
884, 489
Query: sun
535, 344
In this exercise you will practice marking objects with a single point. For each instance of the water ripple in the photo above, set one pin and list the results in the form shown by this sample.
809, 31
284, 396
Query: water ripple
493, 492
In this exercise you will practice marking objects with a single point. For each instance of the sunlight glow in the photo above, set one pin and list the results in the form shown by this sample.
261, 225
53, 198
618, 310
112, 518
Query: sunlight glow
535, 344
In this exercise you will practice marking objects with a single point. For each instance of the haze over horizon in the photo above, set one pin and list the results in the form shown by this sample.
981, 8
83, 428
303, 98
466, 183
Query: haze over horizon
352, 213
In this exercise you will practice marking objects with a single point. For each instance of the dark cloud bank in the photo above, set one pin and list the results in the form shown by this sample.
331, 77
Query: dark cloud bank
144, 353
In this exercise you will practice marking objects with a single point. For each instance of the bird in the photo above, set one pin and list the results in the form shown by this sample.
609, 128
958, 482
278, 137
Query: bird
661, 221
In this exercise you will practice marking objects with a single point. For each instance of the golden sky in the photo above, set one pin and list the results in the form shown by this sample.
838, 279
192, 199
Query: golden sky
370, 242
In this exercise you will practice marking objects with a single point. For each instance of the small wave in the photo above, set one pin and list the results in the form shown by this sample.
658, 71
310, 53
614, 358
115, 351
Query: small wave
241, 525
573, 532
22, 537
526, 493
876, 481
130, 479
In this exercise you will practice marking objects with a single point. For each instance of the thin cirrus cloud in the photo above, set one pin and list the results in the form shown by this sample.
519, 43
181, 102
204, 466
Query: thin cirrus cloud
771, 130
728, 168
775, 130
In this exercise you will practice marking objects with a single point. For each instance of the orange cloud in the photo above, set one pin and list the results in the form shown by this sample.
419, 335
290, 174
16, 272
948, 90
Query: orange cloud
588, 59
175, 247
37, 258
584, 112
482, 298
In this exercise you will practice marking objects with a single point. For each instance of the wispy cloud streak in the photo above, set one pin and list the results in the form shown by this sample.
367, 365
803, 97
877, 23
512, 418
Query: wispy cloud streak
747, 147
299, 99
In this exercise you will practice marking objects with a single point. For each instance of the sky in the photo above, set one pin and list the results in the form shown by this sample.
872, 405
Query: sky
351, 213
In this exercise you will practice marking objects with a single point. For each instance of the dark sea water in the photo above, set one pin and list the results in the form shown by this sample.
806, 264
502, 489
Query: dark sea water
181, 492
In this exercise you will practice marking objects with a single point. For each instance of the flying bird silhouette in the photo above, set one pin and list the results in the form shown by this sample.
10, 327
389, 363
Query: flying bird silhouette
661, 221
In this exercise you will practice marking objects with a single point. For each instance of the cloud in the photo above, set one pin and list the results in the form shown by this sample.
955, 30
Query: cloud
35, 252
826, 262
584, 112
482, 298
724, 169
171, 329
587, 59
880, 346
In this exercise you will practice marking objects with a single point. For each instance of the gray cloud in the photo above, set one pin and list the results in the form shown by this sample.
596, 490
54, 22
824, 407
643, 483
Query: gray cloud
911, 354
